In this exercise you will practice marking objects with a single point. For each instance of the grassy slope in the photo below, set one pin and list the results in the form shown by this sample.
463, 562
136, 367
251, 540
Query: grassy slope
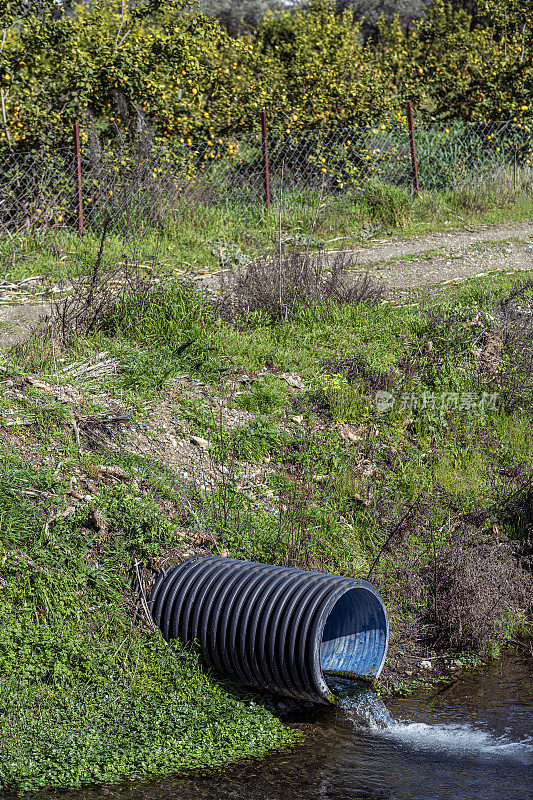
452, 452
86, 693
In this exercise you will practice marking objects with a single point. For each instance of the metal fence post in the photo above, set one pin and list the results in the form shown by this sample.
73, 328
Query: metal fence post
79, 188
515, 159
266, 175
414, 165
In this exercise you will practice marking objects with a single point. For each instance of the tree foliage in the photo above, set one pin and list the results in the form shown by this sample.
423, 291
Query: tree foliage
369, 12
168, 68
237, 18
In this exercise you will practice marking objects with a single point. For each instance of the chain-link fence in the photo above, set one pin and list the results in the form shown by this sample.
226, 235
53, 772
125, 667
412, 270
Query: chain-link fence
147, 184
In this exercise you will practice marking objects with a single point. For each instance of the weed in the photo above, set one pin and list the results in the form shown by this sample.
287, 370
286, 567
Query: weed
197, 236
85, 694
263, 398
508, 353
345, 403
276, 286
387, 204
254, 440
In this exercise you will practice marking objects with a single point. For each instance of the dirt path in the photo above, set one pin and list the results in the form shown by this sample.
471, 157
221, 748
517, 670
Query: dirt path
449, 256
387, 249
401, 263
16, 321
434, 258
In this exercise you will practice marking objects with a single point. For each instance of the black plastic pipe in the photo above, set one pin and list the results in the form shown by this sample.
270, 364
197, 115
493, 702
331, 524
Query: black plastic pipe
276, 628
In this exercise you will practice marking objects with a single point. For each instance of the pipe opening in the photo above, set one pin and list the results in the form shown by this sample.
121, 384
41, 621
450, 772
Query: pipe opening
355, 637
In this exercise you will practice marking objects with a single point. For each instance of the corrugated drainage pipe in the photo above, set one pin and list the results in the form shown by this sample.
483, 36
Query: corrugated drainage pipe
275, 628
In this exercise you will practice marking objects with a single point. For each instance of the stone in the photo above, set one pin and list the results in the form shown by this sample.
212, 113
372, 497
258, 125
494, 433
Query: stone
298, 420
425, 665
293, 380
197, 441
346, 432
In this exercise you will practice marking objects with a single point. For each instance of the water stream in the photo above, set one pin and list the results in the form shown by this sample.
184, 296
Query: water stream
450, 739
472, 740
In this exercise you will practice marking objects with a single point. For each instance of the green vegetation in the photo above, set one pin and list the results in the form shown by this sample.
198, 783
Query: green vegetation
230, 236
168, 67
298, 419
429, 497
88, 694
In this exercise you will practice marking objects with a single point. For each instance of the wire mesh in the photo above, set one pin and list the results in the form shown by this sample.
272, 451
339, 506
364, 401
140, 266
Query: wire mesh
150, 184
36, 189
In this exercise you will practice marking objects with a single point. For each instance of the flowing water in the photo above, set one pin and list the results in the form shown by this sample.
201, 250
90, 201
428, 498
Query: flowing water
472, 740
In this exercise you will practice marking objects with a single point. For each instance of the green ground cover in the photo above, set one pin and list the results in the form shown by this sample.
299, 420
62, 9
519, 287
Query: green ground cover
210, 237
88, 692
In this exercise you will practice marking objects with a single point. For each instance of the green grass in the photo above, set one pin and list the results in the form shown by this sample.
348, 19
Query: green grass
379, 335
86, 693
207, 237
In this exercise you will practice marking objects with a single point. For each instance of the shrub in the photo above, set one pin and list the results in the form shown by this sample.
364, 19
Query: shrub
93, 291
276, 285
479, 586
508, 353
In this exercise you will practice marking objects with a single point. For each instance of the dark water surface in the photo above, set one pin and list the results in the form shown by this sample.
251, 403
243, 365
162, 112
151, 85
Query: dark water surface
472, 740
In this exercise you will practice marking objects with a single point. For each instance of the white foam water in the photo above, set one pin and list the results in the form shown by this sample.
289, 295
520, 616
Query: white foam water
449, 738
366, 706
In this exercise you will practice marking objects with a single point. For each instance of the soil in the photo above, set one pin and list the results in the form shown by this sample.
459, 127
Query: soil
435, 258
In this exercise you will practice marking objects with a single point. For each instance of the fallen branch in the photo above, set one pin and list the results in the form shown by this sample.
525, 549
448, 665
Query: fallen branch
397, 528
103, 420
115, 472
76, 432
91, 368
144, 603
11, 423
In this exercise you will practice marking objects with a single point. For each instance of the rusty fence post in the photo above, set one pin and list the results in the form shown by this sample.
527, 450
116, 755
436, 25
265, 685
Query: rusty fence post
515, 159
79, 188
266, 175
414, 165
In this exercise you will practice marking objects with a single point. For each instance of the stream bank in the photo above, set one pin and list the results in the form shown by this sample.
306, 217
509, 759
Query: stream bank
469, 740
